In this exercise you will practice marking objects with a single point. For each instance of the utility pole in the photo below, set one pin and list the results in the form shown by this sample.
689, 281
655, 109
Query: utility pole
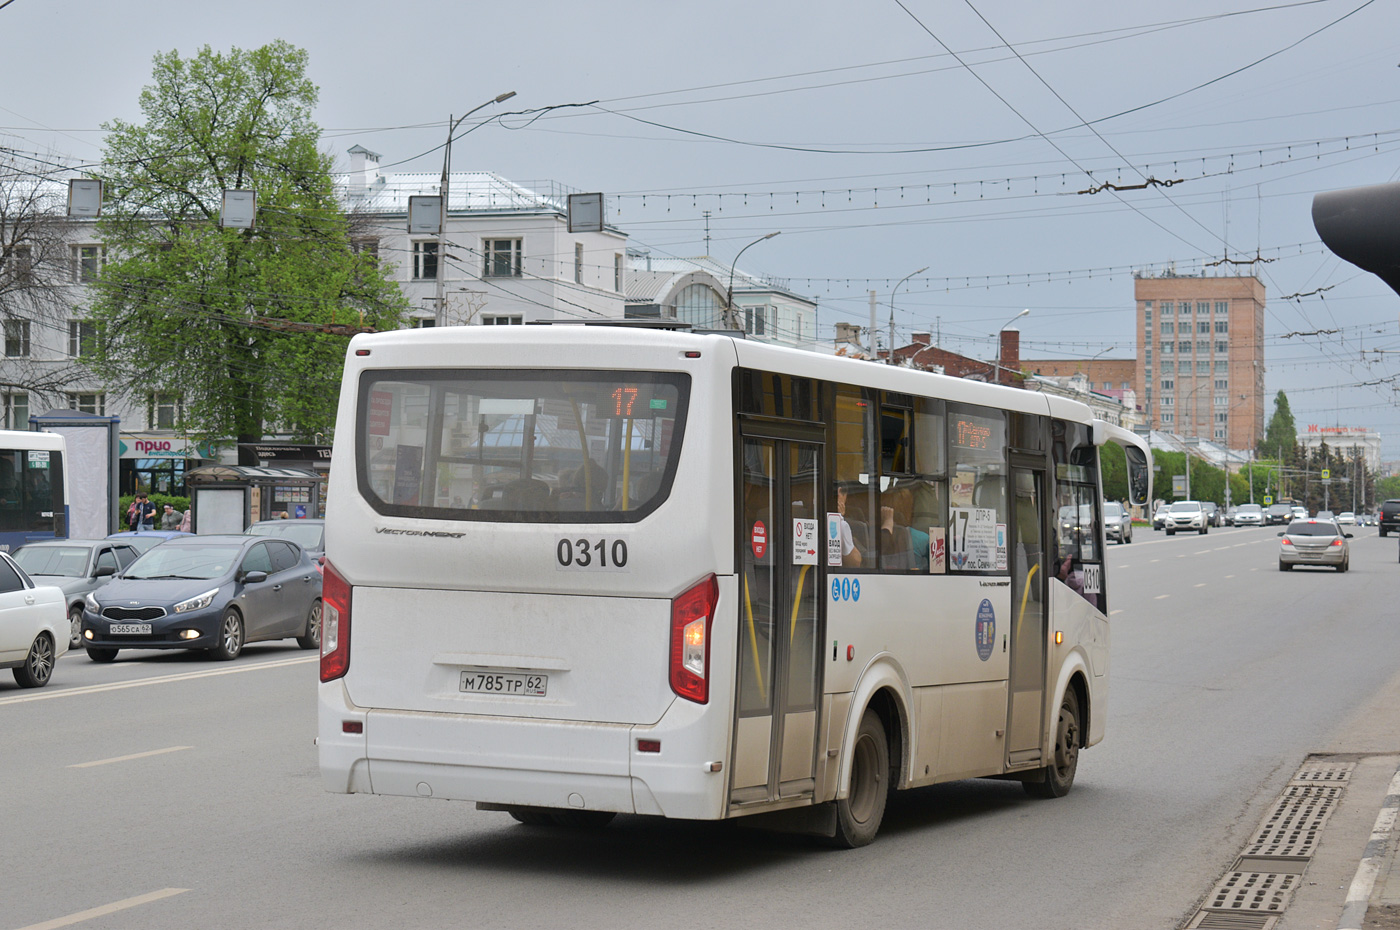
874, 355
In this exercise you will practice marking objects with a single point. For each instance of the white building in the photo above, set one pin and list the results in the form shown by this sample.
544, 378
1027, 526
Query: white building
1345, 442
694, 291
510, 257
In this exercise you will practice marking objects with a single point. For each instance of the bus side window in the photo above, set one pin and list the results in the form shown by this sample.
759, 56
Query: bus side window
855, 468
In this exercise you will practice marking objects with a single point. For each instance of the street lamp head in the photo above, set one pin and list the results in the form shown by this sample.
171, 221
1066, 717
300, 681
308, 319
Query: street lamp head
502, 98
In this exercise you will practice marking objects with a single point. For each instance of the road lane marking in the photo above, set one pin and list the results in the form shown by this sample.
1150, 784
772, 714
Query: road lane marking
1201, 585
157, 680
1156, 560
134, 755
1202, 552
1223, 548
1161, 597
105, 909
1229, 577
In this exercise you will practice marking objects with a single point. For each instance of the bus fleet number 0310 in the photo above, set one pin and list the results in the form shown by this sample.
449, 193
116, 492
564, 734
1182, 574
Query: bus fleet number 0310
607, 555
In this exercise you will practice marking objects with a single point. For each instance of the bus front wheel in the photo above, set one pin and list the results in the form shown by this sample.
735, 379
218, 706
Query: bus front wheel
858, 815
1055, 779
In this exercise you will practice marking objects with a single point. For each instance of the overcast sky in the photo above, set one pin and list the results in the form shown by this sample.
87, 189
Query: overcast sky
880, 137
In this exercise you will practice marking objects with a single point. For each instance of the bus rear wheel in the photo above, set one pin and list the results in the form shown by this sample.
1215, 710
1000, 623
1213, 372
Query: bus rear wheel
858, 815
531, 816
1055, 779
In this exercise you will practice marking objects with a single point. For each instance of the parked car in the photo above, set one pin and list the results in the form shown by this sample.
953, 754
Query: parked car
1159, 519
1390, 516
1249, 515
1314, 542
33, 626
1187, 515
309, 534
1346, 518
207, 592
77, 567
1278, 514
141, 540
1117, 522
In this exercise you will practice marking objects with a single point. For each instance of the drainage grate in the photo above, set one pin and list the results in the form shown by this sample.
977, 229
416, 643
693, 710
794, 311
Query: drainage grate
1260, 892
1213, 920
1294, 822
1327, 773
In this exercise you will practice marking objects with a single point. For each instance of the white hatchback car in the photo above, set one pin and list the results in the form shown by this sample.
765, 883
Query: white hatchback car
33, 626
1346, 518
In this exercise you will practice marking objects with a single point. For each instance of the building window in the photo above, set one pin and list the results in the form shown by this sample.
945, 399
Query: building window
503, 258
1168, 328
1222, 384
1222, 400
1184, 347
1222, 347
1222, 326
1203, 347
1222, 307
87, 262
82, 338
1149, 356
16, 338
1202, 367
1168, 401
1202, 307
166, 411
578, 262
425, 260
17, 411
503, 319
1220, 434
367, 246
1167, 417
755, 320
1203, 326
422, 323
1168, 384
22, 259
1222, 367
1147, 336
88, 403
1168, 348
1222, 418
1166, 307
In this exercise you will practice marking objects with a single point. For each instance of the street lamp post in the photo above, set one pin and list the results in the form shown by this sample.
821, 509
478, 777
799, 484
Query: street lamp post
729, 294
440, 309
1002, 330
890, 358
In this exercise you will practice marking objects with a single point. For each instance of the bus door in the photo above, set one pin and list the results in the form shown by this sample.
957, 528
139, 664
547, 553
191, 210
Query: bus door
1030, 562
781, 564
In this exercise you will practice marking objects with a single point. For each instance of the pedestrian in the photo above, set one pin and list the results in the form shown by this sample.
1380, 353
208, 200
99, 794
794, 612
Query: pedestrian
171, 519
131, 512
145, 513
185, 520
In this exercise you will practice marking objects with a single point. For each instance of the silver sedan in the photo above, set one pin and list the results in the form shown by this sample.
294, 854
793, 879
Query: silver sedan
1314, 542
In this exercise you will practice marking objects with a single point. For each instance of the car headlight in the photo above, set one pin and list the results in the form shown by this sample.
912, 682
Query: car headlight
198, 602
92, 604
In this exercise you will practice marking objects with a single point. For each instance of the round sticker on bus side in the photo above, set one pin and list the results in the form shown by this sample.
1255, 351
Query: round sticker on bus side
759, 540
986, 629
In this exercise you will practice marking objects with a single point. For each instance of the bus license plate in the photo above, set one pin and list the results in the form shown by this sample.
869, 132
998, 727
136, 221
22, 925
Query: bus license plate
129, 628
513, 683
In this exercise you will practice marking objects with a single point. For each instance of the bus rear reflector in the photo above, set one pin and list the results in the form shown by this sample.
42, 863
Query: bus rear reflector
335, 624
691, 616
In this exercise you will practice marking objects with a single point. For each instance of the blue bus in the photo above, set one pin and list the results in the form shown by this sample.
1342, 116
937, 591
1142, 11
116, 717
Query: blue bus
33, 499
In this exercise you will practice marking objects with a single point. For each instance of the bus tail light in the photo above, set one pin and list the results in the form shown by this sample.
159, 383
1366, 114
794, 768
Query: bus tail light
691, 616
335, 624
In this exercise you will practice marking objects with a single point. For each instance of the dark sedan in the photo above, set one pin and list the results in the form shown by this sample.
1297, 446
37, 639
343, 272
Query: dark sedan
207, 592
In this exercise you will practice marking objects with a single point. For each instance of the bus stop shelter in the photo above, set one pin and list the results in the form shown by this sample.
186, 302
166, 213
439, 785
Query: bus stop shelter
228, 498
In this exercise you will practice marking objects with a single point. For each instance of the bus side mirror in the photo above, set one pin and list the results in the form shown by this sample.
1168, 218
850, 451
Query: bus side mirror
1139, 476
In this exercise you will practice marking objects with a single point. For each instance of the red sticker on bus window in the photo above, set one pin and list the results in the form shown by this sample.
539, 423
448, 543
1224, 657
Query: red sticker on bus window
760, 539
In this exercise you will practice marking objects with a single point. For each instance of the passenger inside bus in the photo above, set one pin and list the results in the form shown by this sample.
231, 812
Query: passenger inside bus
850, 553
902, 546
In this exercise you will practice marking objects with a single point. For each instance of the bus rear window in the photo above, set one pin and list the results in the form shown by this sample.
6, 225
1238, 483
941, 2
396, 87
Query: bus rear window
519, 446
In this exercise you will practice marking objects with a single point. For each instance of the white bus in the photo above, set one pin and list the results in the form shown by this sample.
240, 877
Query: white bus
33, 504
580, 570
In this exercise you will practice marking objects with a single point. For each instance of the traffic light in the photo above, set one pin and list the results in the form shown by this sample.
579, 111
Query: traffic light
1362, 225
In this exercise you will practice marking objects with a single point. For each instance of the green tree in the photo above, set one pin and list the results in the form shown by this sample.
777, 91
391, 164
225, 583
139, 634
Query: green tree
1281, 435
248, 327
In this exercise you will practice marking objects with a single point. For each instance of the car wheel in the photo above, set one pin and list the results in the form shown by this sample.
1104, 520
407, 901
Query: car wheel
101, 655
531, 816
230, 641
311, 639
75, 628
38, 665
1058, 777
1128, 537
1204, 530
1171, 532
1346, 564
858, 815
1285, 567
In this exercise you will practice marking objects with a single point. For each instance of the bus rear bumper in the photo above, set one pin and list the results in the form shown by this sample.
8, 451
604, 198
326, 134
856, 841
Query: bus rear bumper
514, 761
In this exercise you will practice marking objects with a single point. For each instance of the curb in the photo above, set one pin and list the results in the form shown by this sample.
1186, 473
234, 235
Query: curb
1375, 858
